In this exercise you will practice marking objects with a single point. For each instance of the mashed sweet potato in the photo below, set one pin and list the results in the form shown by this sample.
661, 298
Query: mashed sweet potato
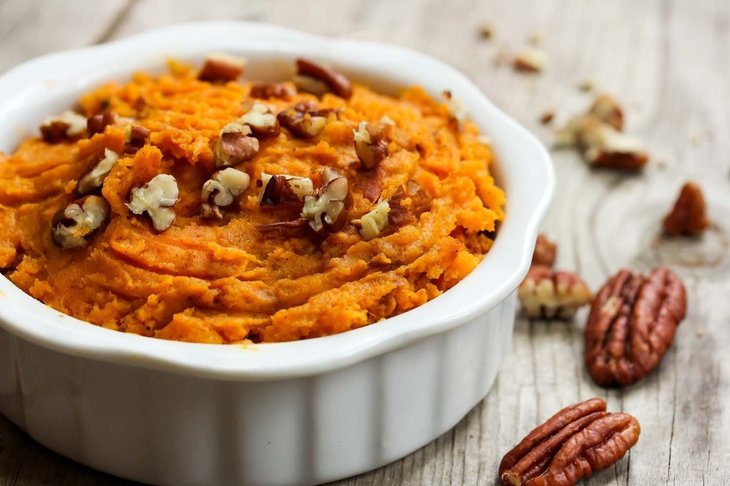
235, 277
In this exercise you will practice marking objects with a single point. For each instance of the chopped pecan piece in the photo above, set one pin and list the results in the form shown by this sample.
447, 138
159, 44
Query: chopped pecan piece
374, 222
549, 294
98, 123
571, 445
546, 118
688, 216
597, 134
326, 209
235, 145
370, 147
336, 82
266, 91
262, 121
457, 111
284, 190
607, 109
399, 214
68, 125
221, 190
156, 198
73, 226
631, 325
302, 120
135, 137
545, 251
531, 60
221, 67
94, 179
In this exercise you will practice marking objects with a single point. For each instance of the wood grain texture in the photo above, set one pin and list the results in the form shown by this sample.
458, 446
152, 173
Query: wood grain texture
667, 60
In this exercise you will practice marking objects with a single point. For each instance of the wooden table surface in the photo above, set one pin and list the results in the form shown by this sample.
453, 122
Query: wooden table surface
668, 61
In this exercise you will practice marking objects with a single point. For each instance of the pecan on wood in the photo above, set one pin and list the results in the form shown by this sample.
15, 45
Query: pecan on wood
632, 324
688, 216
552, 294
573, 443
545, 251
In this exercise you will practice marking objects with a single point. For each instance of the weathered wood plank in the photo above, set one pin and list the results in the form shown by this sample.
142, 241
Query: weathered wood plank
667, 60
30, 29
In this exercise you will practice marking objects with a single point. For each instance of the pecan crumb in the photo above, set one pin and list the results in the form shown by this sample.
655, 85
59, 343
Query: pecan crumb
98, 123
135, 137
531, 60
688, 216
486, 31
547, 117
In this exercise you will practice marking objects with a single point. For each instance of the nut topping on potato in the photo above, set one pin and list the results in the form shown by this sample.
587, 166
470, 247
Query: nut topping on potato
221, 190
221, 67
135, 137
262, 121
302, 120
284, 190
311, 77
375, 221
326, 208
68, 125
235, 145
370, 147
266, 91
94, 179
73, 225
156, 198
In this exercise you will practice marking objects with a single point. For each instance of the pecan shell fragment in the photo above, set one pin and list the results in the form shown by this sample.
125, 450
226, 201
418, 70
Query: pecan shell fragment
573, 443
632, 324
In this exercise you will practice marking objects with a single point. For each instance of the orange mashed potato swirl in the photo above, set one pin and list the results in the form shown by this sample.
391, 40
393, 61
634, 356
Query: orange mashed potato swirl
225, 280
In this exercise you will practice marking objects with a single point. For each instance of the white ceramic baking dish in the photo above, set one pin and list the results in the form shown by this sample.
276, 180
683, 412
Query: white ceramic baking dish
287, 413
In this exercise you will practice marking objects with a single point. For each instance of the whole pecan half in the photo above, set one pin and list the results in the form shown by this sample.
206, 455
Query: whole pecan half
688, 216
573, 443
552, 294
632, 324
